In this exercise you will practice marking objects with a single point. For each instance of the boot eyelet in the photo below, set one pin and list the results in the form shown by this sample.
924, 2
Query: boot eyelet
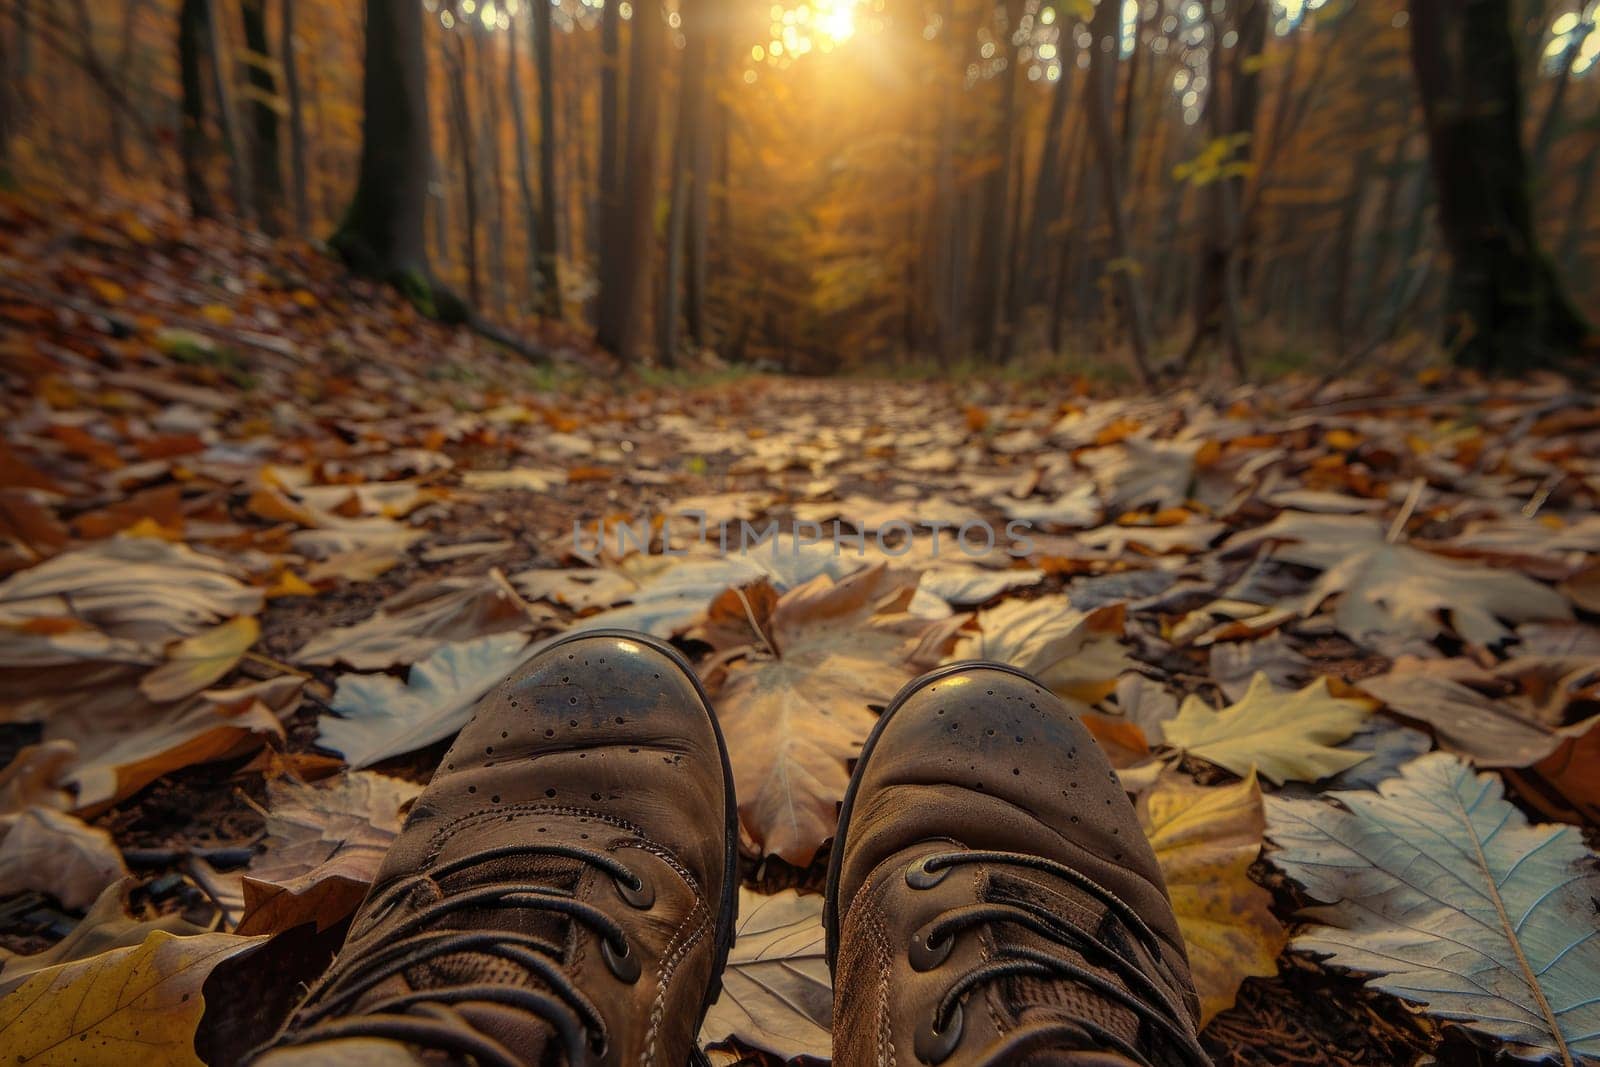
934, 1046
920, 876
623, 962
925, 954
642, 895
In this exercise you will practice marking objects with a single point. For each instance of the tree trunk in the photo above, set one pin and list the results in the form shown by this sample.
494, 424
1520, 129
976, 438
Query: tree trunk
677, 226
297, 127
488, 136
264, 166
192, 140
545, 232
688, 169
519, 134
697, 106
382, 232
992, 229
1505, 307
1102, 79
606, 231
461, 136
221, 75
1578, 220
624, 293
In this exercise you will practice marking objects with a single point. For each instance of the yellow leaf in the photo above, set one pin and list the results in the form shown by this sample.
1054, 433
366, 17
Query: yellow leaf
196, 662
290, 584
305, 298
129, 1005
217, 313
148, 527
107, 290
1206, 840
1286, 735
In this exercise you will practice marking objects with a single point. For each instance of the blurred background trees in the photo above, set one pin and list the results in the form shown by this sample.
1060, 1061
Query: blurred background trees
1138, 186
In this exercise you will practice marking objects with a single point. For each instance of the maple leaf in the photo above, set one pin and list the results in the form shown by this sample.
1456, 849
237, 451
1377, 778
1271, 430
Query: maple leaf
1287, 736
796, 716
1443, 891
1075, 654
126, 1005
777, 992
379, 716
1395, 589
196, 662
322, 849
1205, 840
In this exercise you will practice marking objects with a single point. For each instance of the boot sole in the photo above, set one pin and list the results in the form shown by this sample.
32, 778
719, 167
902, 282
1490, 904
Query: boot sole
830, 906
728, 906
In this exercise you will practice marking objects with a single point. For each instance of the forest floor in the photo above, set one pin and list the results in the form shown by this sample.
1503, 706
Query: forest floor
265, 535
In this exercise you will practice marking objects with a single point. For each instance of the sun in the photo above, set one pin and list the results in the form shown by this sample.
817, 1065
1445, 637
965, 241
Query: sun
838, 20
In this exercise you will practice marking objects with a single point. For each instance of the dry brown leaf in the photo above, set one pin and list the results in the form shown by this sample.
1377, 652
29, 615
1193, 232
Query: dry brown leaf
130, 588
323, 846
196, 662
52, 852
1076, 654
414, 623
795, 717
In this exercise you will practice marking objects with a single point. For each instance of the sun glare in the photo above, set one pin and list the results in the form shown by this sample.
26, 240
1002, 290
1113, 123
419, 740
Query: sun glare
837, 20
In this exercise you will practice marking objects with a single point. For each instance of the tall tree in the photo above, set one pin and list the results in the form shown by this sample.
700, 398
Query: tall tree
192, 141
265, 169
624, 294
298, 163
1105, 29
690, 163
1506, 307
993, 226
382, 232
519, 135
548, 252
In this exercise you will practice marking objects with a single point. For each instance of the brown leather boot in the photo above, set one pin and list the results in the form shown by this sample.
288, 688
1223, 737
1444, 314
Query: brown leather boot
991, 899
563, 890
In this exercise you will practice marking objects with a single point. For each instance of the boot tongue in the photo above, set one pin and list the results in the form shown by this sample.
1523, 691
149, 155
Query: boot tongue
1028, 999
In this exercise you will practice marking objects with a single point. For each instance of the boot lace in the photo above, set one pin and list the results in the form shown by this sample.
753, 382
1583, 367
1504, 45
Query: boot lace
1139, 993
423, 1017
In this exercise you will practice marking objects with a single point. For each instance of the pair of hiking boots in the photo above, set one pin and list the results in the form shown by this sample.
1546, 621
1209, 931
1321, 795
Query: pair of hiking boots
564, 890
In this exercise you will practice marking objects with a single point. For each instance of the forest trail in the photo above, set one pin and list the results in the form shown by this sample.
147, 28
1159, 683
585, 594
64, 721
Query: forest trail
266, 534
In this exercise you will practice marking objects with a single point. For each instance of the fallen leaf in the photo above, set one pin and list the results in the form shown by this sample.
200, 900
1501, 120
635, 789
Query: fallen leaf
136, 588
105, 926
412, 624
322, 849
196, 662
1445, 893
1075, 654
1397, 590
1205, 840
777, 993
52, 852
1287, 736
797, 713
379, 716
138, 1004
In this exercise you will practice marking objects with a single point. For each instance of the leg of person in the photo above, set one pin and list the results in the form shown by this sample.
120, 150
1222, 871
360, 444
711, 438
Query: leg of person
991, 899
562, 892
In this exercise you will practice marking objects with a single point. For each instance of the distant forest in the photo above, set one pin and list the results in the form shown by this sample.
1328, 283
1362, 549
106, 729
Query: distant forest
1154, 185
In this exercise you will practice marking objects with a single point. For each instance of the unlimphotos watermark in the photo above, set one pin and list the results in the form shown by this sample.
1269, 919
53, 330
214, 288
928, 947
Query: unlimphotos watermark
685, 532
